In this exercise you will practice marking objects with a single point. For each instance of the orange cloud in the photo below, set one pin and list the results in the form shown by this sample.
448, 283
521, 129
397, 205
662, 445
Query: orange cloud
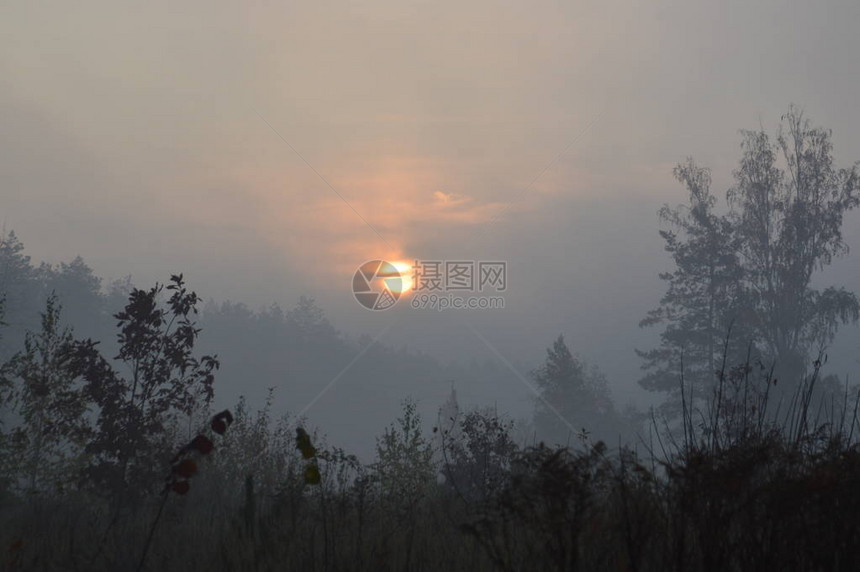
399, 197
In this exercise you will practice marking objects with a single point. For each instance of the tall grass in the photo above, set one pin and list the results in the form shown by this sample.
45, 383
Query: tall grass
753, 478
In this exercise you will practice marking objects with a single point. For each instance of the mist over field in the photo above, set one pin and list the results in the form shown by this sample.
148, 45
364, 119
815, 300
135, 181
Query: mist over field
433, 259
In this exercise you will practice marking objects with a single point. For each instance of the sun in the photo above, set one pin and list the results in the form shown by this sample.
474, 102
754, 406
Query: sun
405, 270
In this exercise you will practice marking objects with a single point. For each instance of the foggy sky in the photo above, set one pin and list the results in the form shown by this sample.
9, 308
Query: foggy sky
540, 133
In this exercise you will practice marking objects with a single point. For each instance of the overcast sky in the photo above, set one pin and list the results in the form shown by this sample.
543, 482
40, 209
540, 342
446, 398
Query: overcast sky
162, 137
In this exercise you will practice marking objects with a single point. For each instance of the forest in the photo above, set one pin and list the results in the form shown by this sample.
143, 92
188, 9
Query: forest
114, 455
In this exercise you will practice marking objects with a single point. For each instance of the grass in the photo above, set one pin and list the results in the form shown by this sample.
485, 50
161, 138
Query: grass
744, 481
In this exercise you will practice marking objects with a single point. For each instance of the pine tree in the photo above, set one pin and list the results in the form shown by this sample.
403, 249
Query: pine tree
704, 305
575, 399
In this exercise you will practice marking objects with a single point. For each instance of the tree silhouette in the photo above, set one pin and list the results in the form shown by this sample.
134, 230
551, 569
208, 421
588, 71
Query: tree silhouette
705, 297
79, 290
404, 458
746, 275
478, 456
45, 448
579, 394
135, 413
20, 290
789, 223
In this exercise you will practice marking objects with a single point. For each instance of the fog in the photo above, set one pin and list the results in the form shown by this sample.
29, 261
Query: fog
267, 151
257, 149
